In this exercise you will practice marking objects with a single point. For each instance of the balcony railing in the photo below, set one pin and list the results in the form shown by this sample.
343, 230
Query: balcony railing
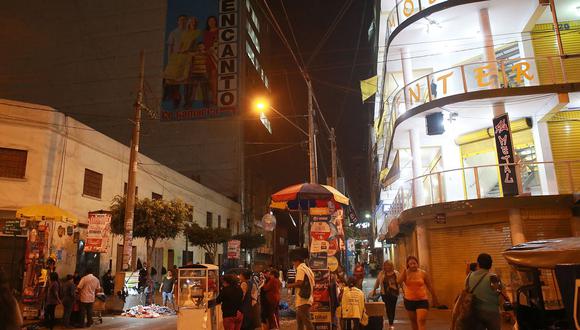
477, 182
478, 76
405, 9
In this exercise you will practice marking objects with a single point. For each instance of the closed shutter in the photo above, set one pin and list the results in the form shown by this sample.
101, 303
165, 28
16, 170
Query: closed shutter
452, 248
546, 223
564, 130
545, 44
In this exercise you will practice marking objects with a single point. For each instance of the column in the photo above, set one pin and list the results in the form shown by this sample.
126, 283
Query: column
451, 159
423, 246
414, 140
547, 172
489, 57
516, 226
407, 65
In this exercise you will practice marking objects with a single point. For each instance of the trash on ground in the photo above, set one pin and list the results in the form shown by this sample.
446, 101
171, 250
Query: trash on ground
148, 312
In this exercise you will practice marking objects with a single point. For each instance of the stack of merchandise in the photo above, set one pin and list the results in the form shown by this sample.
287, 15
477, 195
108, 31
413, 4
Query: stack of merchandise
148, 312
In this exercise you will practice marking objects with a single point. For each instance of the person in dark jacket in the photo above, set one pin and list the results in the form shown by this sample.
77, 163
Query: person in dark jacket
52, 300
68, 299
231, 299
108, 283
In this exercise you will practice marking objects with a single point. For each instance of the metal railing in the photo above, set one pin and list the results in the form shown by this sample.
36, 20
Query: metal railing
477, 182
477, 76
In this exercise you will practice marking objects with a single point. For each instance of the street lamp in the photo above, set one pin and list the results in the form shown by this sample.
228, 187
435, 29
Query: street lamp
261, 105
368, 215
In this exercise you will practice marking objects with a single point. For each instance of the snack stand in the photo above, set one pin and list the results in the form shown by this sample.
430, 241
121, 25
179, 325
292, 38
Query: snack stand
197, 286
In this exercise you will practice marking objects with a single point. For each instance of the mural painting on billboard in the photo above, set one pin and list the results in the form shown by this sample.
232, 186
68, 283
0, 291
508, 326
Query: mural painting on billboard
200, 69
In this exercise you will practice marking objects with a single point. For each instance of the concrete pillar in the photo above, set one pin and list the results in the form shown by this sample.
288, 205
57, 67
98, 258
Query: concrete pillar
402, 254
451, 159
516, 227
527, 51
423, 247
414, 141
407, 65
547, 172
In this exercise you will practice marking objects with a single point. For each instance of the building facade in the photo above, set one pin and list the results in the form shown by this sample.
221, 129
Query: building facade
476, 130
47, 157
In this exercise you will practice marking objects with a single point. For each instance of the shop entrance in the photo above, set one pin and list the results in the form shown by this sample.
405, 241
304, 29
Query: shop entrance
12, 250
87, 260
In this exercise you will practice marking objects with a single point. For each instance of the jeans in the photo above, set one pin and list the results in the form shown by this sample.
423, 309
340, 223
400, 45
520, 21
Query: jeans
49, 316
487, 320
167, 297
391, 306
68, 306
86, 310
233, 322
303, 320
350, 324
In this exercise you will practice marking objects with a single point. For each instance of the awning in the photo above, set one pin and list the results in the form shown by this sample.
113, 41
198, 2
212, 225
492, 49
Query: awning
46, 212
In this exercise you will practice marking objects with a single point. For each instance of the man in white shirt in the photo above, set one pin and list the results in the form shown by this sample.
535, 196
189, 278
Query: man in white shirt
303, 305
87, 287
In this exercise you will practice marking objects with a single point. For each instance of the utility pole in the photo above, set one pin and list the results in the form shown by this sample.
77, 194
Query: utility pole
333, 179
311, 136
134, 151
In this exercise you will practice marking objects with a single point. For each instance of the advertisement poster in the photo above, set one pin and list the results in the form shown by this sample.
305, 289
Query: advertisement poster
200, 68
98, 232
321, 316
318, 260
317, 246
320, 230
234, 249
505, 155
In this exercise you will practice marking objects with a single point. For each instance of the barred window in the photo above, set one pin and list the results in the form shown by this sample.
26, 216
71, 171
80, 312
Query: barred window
93, 183
209, 220
13, 163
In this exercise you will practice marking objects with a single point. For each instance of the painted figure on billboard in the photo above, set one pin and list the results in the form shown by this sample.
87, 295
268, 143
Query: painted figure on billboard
191, 62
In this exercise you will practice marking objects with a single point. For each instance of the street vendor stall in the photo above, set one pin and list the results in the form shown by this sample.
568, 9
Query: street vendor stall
197, 285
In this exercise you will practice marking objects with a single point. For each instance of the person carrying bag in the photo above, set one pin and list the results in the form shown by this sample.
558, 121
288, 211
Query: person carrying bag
352, 312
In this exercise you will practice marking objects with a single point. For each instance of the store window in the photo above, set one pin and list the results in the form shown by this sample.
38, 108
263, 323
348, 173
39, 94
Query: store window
93, 183
209, 220
13, 163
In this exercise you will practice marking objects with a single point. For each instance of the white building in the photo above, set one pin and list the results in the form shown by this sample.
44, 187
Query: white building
47, 157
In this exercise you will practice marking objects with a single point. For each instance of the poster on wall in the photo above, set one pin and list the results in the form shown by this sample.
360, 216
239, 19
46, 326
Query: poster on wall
200, 68
234, 249
98, 232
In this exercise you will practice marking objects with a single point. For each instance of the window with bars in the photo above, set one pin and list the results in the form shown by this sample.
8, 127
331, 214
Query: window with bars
93, 183
209, 220
156, 196
229, 223
219, 221
13, 163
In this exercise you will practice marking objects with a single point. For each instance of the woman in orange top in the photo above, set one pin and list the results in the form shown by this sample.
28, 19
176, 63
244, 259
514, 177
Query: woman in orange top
416, 283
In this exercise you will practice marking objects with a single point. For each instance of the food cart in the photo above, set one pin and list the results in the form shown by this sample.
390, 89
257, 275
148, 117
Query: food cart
197, 286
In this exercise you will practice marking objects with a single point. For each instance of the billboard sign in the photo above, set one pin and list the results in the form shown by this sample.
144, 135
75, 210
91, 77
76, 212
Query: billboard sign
505, 155
234, 249
201, 63
98, 232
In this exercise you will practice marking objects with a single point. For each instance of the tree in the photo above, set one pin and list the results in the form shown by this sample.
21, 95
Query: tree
154, 220
208, 239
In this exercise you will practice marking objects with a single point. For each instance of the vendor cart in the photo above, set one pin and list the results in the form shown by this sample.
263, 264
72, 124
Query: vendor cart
100, 306
197, 286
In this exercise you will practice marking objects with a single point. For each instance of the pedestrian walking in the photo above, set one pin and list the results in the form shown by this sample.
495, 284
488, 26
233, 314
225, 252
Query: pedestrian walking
250, 307
52, 300
68, 299
10, 314
87, 287
416, 283
231, 297
166, 289
271, 299
486, 289
352, 312
389, 289
359, 274
304, 298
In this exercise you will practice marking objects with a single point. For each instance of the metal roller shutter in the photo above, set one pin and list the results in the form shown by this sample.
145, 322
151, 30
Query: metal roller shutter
546, 223
544, 42
564, 130
452, 248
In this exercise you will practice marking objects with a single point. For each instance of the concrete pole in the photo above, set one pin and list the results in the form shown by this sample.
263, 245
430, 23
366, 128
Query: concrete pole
407, 65
131, 181
423, 246
333, 158
489, 57
414, 141
516, 226
311, 137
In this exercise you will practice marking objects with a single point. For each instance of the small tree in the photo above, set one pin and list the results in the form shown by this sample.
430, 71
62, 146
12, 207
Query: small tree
208, 239
154, 220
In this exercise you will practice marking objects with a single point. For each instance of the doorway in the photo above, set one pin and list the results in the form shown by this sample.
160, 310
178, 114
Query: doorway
12, 250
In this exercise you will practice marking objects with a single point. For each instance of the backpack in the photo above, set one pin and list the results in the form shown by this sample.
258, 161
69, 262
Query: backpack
463, 311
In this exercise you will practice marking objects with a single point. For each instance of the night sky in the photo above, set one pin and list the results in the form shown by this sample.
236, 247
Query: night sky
336, 68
